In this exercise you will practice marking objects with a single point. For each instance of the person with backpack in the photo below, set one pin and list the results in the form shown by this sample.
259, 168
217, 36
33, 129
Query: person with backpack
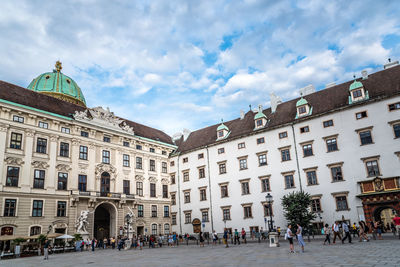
327, 231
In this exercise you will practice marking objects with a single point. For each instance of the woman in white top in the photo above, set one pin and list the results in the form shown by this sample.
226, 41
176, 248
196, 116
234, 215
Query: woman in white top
289, 236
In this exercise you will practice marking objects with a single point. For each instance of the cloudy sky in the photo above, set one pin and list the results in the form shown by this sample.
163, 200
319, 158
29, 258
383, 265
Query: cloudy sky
187, 64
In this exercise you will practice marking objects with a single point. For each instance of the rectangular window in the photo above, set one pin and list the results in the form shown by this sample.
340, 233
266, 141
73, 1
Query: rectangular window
164, 152
41, 145
204, 216
262, 159
164, 168
126, 160
222, 168
152, 166
12, 176
185, 160
152, 190
285, 153
224, 191
259, 123
140, 211
37, 208
311, 177
243, 164
282, 135
302, 110
19, 119
165, 191
341, 203
221, 150
172, 178
337, 174
241, 145
188, 217
172, 163
186, 176
247, 212
16, 141
106, 157
10, 208
139, 163
127, 187
173, 199
84, 134
260, 140
83, 152
173, 219
328, 123
61, 208
166, 211
203, 194
394, 106
331, 144
153, 211
265, 186
372, 168
304, 129
289, 181
357, 93
268, 210
202, 173
125, 143
152, 150
106, 139
82, 182
65, 130
38, 179
316, 205
138, 147
139, 188
220, 134
361, 115
44, 125
186, 197
396, 130
200, 156
307, 150
64, 149
245, 188
226, 214
62, 181
366, 137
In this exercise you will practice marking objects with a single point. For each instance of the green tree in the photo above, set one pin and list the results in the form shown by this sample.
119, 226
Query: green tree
296, 206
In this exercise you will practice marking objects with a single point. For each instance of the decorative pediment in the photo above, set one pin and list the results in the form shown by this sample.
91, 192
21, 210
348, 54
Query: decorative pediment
165, 181
40, 164
153, 179
63, 167
100, 168
139, 178
14, 161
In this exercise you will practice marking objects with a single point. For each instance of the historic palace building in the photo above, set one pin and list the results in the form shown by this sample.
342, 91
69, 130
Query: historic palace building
60, 159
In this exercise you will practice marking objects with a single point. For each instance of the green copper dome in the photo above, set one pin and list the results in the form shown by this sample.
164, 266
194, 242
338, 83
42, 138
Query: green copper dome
355, 85
58, 85
301, 102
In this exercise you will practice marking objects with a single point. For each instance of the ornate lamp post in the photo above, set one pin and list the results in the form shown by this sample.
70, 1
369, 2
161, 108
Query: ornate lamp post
269, 200
127, 220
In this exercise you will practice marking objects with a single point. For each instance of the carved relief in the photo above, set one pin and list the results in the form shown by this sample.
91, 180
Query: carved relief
14, 161
378, 184
100, 168
75, 141
153, 179
4, 127
53, 138
40, 164
30, 133
165, 181
63, 168
139, 178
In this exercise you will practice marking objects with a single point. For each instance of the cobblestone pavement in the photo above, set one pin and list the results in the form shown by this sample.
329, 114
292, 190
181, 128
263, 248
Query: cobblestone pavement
375, 253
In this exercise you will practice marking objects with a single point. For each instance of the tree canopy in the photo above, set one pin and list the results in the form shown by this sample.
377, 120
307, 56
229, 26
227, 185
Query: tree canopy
296, 206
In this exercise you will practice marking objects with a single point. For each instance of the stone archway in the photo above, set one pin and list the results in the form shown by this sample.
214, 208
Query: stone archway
384, 214
105, 221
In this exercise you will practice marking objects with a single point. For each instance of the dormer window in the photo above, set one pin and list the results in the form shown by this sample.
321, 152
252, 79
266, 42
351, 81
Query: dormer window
260, 119
222, 131
303, 108
259, 123
220, 134
357, 92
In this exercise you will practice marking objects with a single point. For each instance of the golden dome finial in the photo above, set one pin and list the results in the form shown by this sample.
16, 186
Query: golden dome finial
58, 66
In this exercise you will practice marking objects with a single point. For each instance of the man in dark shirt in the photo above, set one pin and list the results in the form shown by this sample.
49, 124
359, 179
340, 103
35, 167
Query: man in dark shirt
46, 249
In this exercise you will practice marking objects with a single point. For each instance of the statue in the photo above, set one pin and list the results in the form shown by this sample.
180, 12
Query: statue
82, 222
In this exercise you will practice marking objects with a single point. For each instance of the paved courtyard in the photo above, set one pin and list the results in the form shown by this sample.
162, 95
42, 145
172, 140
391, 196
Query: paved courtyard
375, 253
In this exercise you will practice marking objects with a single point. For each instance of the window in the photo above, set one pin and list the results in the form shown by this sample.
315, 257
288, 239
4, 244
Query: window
366, 137
222, 168
316, 205
139, 188
331, 144
372, 168
10, 208
37, 208
44, 125
200, 156
164, 152
35, 230
203, 194
106, 157
16, 141
341, 203
83, 152
268, 210
84, 134
138, 147
357, 93
140, 211
139, 163
336, 174
361, 115
173, 219
262, 159
188, 217
220, 134
126, 160
221, 150
186, 176
61, 208
260, 140
166, 211
285, 154
173, 199
226, 214
38, 179
127, 187
12, 176
65, 130
153, 211
265, 186
185, 160
64, 149
106, 139
259, 123
304, 129
166, 229
164, 167
202, 173
172, 178
204, 216
396, 129
186, 195
152, 166
224, 191
328, 123
312, 178
172, 163
125, 143
394, 106
152, 190
41, 145
82, 182
302, 110
62, 181
243, 164
307, 150
245, 188
241, 145
282, 135
18, 119
165, 191
289, 181
247, 212
152, 150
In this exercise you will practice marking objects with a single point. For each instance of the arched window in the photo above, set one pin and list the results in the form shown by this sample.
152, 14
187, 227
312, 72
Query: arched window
35, 230
166, 229
154, 229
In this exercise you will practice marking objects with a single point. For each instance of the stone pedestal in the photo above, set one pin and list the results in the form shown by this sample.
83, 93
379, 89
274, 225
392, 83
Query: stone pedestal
273, 239
128, 244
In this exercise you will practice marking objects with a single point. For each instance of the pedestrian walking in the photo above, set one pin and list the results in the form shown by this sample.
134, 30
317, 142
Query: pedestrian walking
363, 231
327, 232
113, 243
379, 229
226, 234
236, 237
244, 236
300, 237
336, 232
396, 221
355, 230
373, 228
346, 232
201, 238
289, 237
215, 237
93, 243
105, 243
46, 248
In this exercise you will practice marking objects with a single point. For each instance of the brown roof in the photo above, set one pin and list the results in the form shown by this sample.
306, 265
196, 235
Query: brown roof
381, 84
33, 99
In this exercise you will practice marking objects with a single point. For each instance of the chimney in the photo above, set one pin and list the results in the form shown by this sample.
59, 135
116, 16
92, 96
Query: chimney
186, 133
328, 85
241, 114
309, 89
390, 64
275, 101
364, 74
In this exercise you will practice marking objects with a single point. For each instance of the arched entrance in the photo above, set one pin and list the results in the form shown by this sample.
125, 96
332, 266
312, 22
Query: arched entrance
104, 221
105, 184
384, 214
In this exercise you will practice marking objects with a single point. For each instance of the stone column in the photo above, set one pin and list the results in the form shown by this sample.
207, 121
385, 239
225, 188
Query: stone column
3, 137
73, 179
51, 175
27, 172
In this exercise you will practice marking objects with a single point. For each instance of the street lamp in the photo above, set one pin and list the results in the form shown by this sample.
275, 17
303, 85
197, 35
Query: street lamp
269, 199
